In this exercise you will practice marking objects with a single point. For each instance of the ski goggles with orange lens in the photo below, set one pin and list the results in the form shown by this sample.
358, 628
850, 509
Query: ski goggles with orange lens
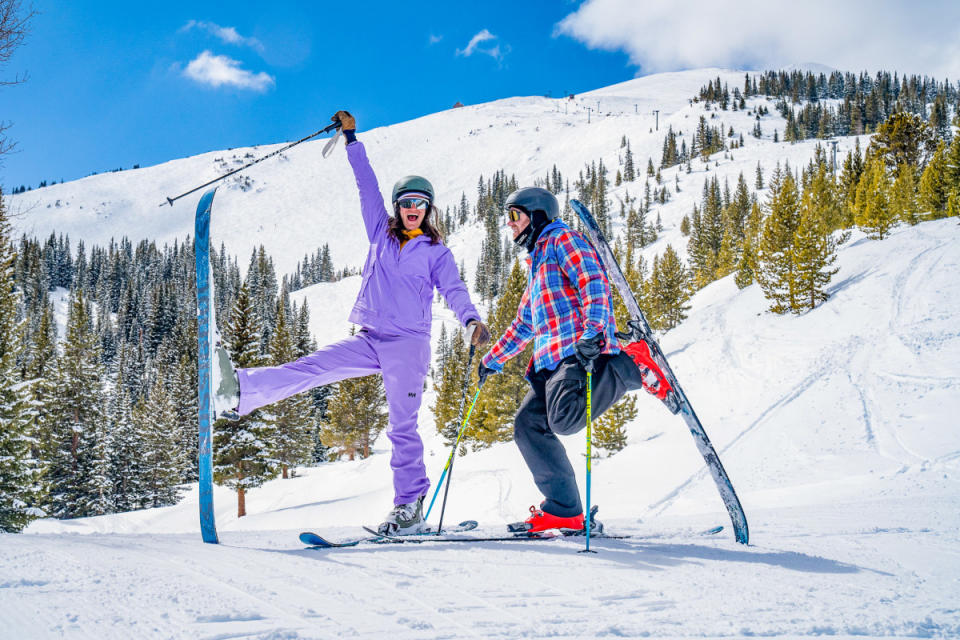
413, 203
514, 214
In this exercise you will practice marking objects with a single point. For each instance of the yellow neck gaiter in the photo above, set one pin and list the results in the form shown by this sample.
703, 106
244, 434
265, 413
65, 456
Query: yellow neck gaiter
409, 236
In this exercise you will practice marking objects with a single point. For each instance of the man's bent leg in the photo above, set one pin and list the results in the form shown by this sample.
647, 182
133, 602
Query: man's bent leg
566, 391
545, 456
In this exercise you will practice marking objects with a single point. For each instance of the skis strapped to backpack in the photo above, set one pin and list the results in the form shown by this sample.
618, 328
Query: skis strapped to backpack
675, 399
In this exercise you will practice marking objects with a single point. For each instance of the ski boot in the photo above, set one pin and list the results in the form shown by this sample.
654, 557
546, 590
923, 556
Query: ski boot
404, 520
226, 387
540, 520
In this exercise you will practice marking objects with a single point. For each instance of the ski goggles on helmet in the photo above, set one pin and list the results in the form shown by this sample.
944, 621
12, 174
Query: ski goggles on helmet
413, 203
514, 213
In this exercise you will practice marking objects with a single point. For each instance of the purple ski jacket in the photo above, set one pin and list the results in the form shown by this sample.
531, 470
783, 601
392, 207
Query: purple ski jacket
397, 289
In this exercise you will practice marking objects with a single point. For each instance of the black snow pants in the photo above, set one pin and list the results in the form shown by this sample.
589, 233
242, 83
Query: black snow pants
557, 405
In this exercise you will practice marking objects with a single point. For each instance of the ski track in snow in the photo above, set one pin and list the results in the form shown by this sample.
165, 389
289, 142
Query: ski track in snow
837, 427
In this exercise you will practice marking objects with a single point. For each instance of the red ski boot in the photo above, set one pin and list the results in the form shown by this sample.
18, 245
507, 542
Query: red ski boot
654, 380
542, 521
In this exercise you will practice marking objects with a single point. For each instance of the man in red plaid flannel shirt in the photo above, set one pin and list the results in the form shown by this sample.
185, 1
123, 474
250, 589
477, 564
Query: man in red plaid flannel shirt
566, 310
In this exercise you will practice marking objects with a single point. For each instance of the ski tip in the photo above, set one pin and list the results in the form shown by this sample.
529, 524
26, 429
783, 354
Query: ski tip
313, 540
713, 531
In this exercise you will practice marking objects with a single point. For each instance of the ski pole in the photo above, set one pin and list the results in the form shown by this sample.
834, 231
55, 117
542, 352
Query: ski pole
448, 468
328, 128
589, 408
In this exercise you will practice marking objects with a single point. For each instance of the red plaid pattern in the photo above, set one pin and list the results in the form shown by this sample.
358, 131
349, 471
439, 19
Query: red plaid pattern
567, 298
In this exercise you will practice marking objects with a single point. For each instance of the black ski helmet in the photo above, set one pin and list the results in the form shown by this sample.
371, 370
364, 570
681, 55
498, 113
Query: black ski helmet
416, 184
540, 205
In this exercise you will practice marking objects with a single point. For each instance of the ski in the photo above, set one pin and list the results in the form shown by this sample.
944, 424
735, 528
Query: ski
550, 534
206, 333
314, 540
676, 401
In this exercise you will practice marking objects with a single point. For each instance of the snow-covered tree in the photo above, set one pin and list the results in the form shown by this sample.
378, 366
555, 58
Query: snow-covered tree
79, 467
21, 489
242, 458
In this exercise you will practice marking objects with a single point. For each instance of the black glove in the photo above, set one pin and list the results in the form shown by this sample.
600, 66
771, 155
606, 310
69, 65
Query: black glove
588, 349
482, 372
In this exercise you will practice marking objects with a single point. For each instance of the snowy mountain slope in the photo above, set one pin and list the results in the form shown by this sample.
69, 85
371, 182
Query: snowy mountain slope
838, 429
299, 201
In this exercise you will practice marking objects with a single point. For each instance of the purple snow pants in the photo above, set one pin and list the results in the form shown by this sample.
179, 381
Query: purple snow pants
403, 361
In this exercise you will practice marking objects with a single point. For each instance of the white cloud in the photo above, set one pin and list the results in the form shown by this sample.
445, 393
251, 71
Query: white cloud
228, 35
850, 35
435, 39
495, 52
219, 71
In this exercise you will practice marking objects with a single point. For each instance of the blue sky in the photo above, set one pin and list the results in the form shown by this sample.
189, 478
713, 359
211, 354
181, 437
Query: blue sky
116, 84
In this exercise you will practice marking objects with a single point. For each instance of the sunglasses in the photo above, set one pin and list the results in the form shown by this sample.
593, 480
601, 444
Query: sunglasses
413, 203
514, 214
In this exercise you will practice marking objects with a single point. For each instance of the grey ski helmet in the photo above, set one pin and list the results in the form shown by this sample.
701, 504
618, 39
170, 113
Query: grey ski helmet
415, 184
540, 205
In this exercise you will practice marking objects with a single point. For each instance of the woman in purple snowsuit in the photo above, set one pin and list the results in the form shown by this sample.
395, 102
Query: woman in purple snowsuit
405, 262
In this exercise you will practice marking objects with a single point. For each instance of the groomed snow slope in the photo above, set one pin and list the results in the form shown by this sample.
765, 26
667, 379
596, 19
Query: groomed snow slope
838, 429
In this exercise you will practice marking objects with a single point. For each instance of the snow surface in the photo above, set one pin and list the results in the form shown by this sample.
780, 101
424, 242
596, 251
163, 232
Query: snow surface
837, 428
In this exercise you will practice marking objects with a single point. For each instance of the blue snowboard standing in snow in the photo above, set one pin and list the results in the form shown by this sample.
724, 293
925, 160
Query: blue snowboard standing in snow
206, 333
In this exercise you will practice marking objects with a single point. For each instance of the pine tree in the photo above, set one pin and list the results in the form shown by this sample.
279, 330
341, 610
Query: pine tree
935, 187
671, 155
669, 291
904, 139
706, 235
160, 461
600, 206
849, 179
242, 459
291, 417
903, 197
449, 388
874, 212
814, 251
629, 170
747, 266
21, 488
125, 446
777, 272
78, 472
825, 198
183, 388
39, 370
